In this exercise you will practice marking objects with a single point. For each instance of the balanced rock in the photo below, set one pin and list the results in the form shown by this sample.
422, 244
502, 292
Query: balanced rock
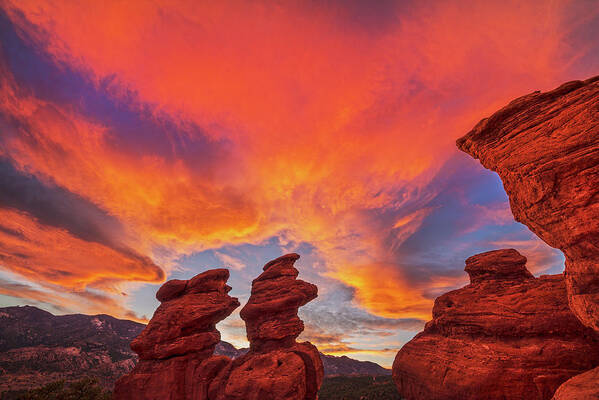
276, 366
180, 336
507, 335
271, 312
497, 265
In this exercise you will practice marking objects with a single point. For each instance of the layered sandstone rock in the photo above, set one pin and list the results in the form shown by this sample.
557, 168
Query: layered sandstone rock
545, 148
582, 387
177, 347
276, 367
507, 335
271, 312
180, 336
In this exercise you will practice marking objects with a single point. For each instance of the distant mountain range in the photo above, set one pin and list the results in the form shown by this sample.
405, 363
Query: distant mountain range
333, 365
37, 347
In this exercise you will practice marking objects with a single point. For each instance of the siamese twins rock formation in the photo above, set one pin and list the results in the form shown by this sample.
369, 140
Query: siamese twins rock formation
176, 349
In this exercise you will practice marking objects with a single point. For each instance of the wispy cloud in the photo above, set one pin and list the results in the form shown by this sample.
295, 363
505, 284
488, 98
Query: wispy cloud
230, 261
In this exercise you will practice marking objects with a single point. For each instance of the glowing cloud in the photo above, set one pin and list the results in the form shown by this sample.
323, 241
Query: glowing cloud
174, 127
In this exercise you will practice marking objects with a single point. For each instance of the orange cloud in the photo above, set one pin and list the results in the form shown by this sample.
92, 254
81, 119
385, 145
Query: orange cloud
163, 203
51, 255
328, 123
57, 298
384, 290
342, 344
308, 101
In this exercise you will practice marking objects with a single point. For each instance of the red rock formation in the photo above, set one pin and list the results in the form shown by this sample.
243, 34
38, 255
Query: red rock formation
581, 387
507, 335
176, 349
180, 336
271, 312
276, 367
545, 148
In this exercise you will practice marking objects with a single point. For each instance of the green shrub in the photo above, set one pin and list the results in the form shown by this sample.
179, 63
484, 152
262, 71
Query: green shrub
358, 388
83, 389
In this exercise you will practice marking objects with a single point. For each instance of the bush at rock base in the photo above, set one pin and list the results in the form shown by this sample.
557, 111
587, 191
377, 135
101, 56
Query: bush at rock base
358, 388
83, 389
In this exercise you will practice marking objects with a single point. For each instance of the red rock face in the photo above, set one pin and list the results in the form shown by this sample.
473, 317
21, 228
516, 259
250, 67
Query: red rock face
276, 367
179, 337
581, 387
176, 349
271, 312
545, 148
507, 335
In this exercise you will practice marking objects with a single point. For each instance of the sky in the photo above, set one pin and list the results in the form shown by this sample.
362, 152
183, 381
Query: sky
142, 141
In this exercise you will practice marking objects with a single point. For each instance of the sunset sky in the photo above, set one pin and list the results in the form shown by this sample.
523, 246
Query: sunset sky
144, 141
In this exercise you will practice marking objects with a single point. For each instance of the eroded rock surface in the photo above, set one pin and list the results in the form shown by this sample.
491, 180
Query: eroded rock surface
276, 367
180, 336
176, 350
582, 387
545, 148
507, 335
271, 312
